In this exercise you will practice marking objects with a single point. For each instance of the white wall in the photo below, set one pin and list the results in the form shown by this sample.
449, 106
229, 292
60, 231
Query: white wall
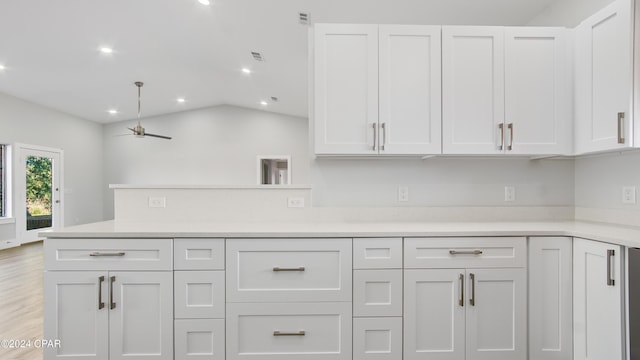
568, 13
212, 146
599, 180
81, 140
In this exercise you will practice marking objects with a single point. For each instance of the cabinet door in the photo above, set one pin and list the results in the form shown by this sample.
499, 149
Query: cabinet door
141, 316
604, 79
550, 298
410, 90
434, 314
537, 84
346, 89
74, 315
496, 322
597, 300
377, 338
472, 89
199, 339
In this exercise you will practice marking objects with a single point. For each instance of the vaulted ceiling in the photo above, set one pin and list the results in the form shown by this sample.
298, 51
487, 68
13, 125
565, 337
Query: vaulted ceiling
183, 49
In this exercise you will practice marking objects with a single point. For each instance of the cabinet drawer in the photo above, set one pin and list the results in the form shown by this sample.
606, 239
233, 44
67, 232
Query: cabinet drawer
377, 338
281, 331
288, 270
486, 252
108, 254
199, 339
377, 292
198, 254
199, 294
377, 253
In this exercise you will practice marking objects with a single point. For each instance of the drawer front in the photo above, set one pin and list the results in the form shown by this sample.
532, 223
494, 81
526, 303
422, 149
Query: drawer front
199, 294
198, 254
288, 270
377, 292
377, 253
281, 331
199, 339
108, 254
485, 252
377, 338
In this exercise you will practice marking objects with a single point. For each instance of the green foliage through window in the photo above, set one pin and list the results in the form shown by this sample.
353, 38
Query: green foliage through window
39, 179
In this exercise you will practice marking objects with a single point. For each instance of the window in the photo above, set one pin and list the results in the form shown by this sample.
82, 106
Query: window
3, 180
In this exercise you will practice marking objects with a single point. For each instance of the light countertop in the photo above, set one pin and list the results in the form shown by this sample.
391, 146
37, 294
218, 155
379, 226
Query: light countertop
617, 234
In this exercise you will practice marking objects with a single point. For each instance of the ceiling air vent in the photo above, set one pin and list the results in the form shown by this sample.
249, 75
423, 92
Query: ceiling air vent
257, 56
304, 18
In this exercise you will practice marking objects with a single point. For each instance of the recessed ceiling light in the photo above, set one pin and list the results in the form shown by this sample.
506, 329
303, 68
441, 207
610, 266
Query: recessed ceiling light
246, 70
106, 50
204, 2
2, 67
112, 111
180, 100
263, 103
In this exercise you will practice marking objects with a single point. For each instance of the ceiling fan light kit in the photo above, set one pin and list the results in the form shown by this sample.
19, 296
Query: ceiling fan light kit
138, 130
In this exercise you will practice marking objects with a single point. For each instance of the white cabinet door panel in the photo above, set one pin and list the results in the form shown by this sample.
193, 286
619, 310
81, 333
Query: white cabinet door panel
377, 253
598, 303
410, 89
197, 339
434, 317
377, 338
377, 292
473, 89
72, 314
496, 318
199, 294
550, 298
345, 88
198, 254
141, 323
537, 99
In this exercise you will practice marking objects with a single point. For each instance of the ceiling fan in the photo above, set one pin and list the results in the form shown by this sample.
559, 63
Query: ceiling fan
138, 130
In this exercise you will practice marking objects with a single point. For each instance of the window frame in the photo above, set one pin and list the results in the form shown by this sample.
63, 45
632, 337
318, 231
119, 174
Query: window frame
6, 186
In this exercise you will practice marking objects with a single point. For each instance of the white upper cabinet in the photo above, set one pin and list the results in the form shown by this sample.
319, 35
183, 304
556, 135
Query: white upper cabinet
346, 88
361, 108
472, 89
603, 81
505, 90
410, 91
537, 91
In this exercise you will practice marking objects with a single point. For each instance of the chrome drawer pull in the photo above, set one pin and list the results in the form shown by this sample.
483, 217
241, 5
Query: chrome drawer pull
299, 333
100, 254
112, 304
610, 261
100, 302
472, 299
465, 252
278, 269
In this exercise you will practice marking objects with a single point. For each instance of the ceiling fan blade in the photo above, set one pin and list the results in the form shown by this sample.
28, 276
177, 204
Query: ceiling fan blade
117, 135
158, 136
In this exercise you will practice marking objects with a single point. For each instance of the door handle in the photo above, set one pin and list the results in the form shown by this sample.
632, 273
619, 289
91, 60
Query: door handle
610, 263
279, 269
100, 302
465, 252
621, 128
510, 127
112, 305
472, 298
461, 299
384, 136
375, 135
101, 254
297, 333
501, 127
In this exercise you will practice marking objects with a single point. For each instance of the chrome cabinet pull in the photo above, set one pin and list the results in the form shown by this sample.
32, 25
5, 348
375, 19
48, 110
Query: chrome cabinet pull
100, 302
610, 280
501, 127
621, 128
279, 333
472, 299
375, 135
384, 136
112, 305
510, 127
278, 269
465, 252
461, 299
101, 254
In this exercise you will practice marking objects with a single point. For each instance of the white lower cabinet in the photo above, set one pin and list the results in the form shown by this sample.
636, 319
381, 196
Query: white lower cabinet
465, 314
598, 306
550, 298
199, 339
109, 315
280, 331
377, 338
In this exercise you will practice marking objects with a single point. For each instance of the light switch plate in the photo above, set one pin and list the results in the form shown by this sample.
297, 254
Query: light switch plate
295, 202
509, 193
403, 193
629, 195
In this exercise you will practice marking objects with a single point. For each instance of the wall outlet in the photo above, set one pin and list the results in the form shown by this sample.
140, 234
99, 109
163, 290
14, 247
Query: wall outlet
509, 193
629, 195
403, 193
157, 202
295, 202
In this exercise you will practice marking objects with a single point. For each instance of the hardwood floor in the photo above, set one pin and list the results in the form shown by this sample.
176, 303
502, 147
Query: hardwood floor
21, 299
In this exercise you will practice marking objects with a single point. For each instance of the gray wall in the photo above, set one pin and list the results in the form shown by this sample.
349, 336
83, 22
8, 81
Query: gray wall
568, 13
81, 140
599, 180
